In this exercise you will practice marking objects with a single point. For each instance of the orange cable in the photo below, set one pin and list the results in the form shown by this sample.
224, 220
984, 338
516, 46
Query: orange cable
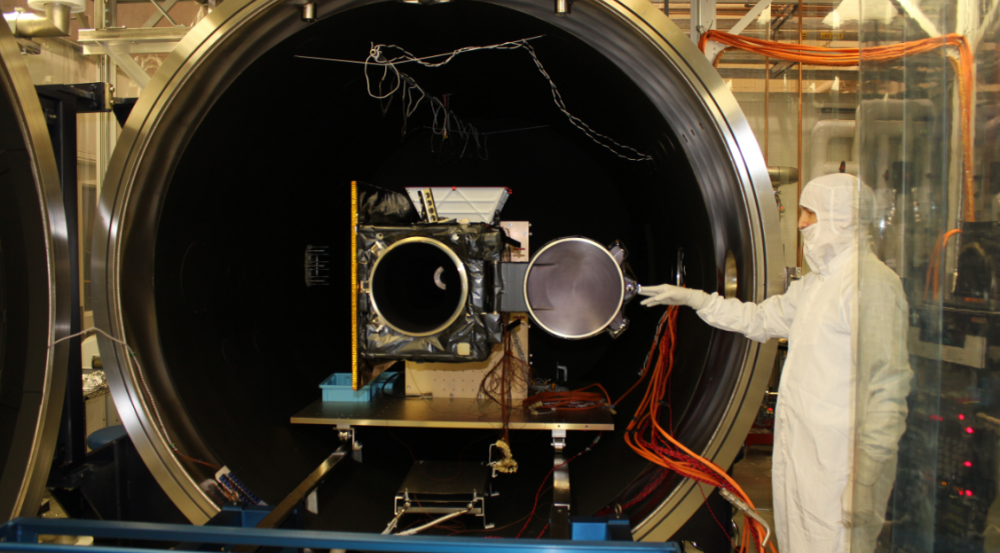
937, 272
846, 57
689, 464
561, 400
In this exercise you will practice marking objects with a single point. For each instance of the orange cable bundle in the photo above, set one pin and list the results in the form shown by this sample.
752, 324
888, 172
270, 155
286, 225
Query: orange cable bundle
846, 57
647, 437
933, 268
574, 400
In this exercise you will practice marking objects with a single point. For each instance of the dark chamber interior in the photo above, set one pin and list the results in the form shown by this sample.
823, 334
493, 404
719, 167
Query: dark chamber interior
24, 304
267, 173
12, 358
417, 287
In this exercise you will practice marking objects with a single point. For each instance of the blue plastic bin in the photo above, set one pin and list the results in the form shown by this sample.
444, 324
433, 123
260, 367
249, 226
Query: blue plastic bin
338, 388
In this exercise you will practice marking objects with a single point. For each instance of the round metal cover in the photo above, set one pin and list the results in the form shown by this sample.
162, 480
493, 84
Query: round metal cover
574, 288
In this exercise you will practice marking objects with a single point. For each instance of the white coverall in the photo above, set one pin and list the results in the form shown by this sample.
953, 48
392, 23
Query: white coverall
814, 429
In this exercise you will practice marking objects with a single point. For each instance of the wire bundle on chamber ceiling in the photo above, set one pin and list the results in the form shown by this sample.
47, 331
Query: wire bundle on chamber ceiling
445, 122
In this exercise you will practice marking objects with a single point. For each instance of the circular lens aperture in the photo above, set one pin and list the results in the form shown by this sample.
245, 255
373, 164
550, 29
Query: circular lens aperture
418, 286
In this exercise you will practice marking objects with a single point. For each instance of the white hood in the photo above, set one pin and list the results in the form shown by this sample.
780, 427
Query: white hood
838, 200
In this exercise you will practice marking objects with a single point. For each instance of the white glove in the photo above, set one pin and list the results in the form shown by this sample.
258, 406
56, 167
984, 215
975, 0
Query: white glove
858, 505
668, 294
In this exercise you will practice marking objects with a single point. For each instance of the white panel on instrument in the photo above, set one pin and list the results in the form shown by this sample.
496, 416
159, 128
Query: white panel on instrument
476, 204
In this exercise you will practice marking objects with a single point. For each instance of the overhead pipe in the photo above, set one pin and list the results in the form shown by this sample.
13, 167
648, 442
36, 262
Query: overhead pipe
54, 22
882, 122
877, 116
782, 175
822, 134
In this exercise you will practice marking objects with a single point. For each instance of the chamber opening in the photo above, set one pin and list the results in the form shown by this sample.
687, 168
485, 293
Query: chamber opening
574, 288
562, 182
418, 286
239, 342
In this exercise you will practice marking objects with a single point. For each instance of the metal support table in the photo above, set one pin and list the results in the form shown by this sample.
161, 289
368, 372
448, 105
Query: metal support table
466, 413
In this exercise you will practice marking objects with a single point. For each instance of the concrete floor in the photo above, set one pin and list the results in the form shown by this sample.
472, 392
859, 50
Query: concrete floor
753, 474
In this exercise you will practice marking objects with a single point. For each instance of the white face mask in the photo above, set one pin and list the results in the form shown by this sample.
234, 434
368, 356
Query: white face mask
817, 254
820, 244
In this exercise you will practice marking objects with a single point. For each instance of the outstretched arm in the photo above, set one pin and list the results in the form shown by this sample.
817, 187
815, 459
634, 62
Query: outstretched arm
772, 318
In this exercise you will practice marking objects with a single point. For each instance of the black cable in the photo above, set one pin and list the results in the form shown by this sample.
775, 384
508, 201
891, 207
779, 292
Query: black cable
388, 380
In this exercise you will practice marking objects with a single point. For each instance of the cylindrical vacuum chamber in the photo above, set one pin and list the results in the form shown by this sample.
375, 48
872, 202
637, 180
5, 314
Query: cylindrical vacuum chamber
239, 155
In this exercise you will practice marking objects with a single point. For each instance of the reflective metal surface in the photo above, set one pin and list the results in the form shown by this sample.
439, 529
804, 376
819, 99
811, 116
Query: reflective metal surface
34, 284
574, 288
731, 281
561, 498
282, 510
707, 132
446, 413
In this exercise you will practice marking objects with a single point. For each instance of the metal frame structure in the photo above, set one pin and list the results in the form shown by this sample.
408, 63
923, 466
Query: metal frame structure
115, 46
60, 105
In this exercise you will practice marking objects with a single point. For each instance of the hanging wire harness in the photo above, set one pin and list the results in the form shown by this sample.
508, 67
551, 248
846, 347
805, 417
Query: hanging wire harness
499, 382
498, 386
445, 122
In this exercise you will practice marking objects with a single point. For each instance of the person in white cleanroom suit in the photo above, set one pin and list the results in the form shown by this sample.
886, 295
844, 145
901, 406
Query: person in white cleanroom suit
846, 325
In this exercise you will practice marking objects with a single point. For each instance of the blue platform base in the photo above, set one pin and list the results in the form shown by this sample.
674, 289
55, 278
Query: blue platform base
21, 534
